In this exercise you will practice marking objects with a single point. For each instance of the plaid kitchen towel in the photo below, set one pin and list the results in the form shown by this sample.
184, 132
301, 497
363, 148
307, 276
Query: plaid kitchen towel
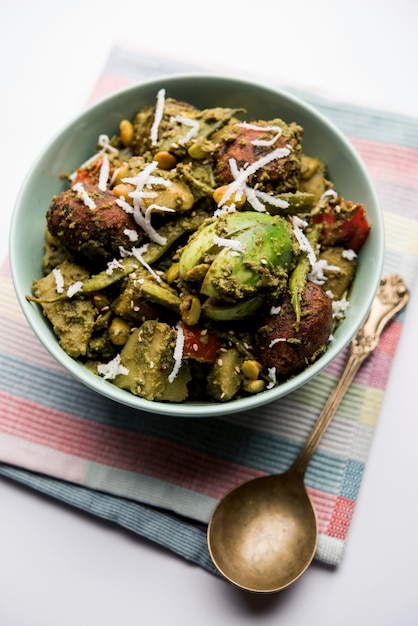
161, 477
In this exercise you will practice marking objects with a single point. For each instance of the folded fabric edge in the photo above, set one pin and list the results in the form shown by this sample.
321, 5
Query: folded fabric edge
168, 531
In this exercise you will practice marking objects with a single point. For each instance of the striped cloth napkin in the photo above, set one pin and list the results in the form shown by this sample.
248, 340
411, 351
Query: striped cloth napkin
161, 477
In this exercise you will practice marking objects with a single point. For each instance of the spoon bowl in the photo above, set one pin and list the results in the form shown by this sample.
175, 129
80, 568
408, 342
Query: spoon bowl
262, 535
266, 532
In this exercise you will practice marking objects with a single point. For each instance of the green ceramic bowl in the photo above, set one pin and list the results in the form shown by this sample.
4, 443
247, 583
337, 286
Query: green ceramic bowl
74, 145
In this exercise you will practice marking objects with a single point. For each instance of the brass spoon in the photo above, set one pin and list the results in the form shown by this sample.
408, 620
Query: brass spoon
263, 534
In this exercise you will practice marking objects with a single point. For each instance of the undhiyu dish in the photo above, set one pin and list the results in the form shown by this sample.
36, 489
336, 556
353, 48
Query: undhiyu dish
200, 254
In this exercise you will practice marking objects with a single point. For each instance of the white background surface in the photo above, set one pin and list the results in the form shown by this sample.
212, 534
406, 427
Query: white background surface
59, 567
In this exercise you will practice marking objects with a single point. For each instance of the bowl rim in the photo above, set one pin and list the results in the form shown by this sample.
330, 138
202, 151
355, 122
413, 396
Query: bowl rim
191, 409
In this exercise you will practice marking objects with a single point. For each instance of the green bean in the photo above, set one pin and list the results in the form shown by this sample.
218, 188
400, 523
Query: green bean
299, 276
299, 202
199, 178
210, 121
297, 284
160, 294
216, 118
103, 279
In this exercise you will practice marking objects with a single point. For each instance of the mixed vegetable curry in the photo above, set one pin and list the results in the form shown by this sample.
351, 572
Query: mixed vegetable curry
196, 256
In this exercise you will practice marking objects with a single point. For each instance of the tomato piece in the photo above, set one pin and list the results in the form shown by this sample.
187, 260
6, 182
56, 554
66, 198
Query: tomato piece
356, 229
200, 344
343, 223
88, 175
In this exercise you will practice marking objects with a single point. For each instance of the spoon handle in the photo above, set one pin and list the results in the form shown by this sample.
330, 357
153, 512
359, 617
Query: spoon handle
391, 297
